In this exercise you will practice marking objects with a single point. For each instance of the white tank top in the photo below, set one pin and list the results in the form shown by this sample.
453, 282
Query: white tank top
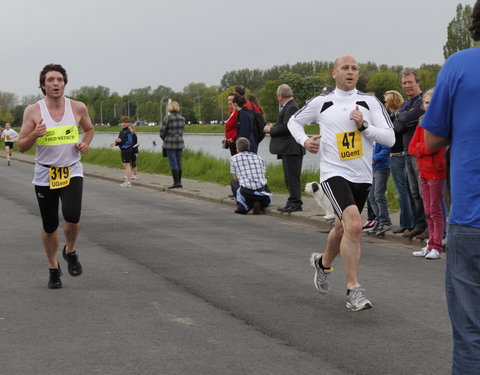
58, 154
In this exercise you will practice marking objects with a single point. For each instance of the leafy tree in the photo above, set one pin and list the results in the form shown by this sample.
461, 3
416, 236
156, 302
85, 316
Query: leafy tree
7, 100
458, 36
268, 99
149, 111
383, 81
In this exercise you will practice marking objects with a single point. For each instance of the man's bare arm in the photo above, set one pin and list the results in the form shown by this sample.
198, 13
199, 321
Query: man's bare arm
31, 129
434, 142
87, 127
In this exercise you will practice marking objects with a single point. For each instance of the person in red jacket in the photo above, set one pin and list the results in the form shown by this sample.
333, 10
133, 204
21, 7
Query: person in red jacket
433, 172
231, 126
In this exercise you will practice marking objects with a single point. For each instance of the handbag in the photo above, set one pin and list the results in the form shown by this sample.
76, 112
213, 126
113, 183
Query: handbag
225, 144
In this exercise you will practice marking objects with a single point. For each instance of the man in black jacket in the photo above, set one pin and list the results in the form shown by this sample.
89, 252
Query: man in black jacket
405, 123
286, 148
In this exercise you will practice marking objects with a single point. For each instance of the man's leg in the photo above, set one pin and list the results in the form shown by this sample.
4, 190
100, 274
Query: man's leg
8, 152
462, 278
128, 171
50, 245
292, 170
414, 184
333, 244
71, 197
350, 244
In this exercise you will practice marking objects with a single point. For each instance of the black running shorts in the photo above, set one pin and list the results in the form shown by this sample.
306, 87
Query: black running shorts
48, 200
343, 193
126, 155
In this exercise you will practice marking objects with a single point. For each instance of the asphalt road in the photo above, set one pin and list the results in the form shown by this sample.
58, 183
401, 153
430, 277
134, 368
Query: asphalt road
178, 286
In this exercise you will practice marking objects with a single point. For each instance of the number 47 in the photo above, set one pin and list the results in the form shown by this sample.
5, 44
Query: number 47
346, 143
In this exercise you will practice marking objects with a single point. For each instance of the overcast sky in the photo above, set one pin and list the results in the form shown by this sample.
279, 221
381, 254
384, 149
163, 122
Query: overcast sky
124, 44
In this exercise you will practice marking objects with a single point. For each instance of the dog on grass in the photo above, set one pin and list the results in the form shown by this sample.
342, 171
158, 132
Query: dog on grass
314, 189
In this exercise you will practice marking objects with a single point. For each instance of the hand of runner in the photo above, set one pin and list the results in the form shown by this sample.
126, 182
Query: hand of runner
40, 129
312, 144
357, 116
82, 147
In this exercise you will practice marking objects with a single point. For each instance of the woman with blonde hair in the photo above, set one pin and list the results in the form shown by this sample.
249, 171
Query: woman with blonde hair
393, 101
172, 136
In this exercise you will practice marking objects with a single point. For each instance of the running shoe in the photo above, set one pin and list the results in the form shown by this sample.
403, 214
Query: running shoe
54, 281
126, 184
369, 224
433, 254
74, 266
356, 300
421, 253
135, 177
320, 280
380, 229
373, 224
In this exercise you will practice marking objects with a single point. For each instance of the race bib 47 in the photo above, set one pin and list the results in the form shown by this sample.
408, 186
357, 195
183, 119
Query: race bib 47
349, 145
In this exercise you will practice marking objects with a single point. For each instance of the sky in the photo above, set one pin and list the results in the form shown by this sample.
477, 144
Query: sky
124, 45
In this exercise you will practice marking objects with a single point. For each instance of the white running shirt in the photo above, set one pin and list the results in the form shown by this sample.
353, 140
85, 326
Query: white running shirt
58, 155
9, 135
344, 150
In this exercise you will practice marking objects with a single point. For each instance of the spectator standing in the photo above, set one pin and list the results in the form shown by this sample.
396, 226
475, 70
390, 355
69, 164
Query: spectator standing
432, 168
381, 173
249, 183
244, 121
172, 136
134, 158
231, 126
124, 142
287, 149
393, 102
405, 123
452, 118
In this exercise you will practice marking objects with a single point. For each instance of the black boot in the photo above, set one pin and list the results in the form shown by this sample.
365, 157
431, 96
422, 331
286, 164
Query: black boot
179, 182
175, 175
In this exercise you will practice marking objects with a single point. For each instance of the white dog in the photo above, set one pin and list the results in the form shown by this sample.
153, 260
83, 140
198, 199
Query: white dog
313, 188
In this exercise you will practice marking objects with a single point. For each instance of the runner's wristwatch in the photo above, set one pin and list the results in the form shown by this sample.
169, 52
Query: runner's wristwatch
364, 126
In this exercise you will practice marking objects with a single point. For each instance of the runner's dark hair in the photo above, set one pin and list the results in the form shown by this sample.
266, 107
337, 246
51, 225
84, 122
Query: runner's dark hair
475, 27
52, 68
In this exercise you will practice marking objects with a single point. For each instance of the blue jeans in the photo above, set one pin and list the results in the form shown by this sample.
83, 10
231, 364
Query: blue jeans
175, 158
399, 176
379, 202
414, 184
462, 284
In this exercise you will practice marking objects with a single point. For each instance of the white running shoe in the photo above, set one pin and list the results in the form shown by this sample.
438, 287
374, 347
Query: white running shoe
356, 300
433, 254
135, 177
421, 253
320, 279
126, 184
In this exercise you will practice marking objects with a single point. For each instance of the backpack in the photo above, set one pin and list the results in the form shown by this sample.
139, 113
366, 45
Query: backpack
258, 125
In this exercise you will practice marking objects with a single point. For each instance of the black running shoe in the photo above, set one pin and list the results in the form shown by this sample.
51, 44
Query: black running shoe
54, 281
74, 267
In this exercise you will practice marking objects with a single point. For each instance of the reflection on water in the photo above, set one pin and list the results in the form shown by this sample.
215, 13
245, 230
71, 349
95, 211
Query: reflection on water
208, 143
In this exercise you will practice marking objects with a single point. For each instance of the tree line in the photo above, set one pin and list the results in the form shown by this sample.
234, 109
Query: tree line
203, 104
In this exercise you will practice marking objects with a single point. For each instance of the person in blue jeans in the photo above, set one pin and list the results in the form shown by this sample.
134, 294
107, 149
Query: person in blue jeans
452, 119
377, 199
173, 143
393, 101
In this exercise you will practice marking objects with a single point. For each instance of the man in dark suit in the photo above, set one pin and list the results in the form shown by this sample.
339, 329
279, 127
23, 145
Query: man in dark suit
286, 148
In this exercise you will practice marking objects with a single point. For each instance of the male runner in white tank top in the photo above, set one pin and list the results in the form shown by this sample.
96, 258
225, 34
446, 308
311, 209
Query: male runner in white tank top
52, 124
350, 122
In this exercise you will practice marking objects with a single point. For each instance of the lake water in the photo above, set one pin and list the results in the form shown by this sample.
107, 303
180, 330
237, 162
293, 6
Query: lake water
208, 143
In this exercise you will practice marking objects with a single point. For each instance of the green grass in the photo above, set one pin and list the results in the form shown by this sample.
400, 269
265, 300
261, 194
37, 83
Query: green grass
194, 128
202, 167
